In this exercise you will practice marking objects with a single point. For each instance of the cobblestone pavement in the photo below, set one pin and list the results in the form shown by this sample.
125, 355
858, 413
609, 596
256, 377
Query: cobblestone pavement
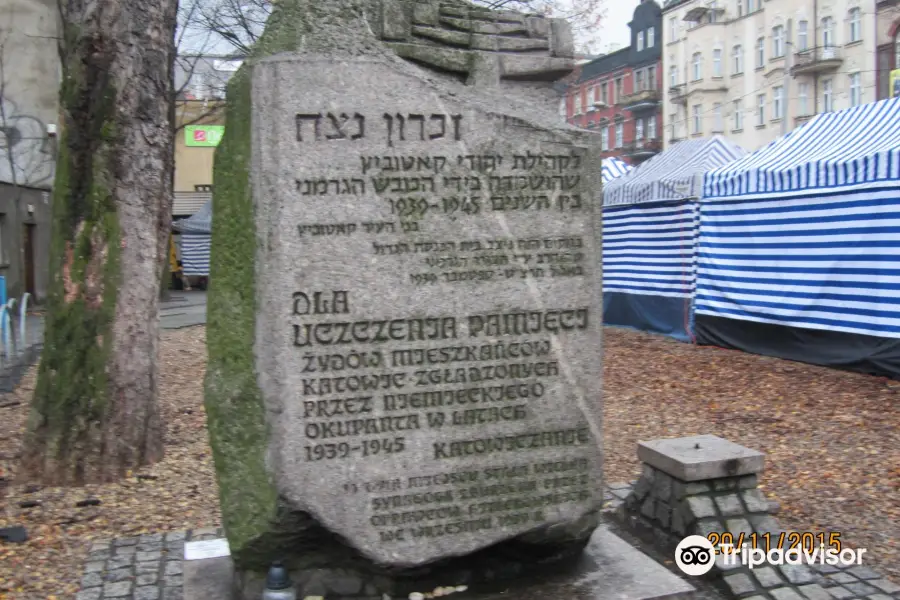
146, 567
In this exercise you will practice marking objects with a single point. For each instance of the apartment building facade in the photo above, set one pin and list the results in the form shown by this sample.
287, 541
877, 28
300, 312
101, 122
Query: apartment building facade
619, 94
887, 64
755, 69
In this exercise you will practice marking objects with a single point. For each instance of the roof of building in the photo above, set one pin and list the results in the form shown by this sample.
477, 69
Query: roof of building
670, 4
605, 64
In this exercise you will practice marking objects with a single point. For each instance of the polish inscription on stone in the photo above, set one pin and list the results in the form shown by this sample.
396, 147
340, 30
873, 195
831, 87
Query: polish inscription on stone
428, 335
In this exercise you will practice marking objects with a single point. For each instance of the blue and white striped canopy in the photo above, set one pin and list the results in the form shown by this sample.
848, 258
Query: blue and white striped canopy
199, 222
853, 148
614, 167
806, 231
674, 174
195, 253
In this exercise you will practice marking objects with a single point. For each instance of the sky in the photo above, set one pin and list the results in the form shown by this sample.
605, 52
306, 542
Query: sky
614, 32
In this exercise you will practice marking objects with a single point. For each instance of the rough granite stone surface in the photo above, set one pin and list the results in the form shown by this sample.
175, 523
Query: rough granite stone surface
408, 312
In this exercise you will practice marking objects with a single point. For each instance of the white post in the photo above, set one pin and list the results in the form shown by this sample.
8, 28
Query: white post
23, 321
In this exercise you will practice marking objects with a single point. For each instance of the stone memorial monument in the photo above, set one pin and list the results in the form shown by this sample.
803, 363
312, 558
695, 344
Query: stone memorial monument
404, 331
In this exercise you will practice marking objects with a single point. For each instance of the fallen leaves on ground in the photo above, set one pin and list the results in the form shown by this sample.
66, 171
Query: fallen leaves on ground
831, 438
175, 494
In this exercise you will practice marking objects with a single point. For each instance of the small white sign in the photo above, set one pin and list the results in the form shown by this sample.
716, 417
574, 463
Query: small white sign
206, 549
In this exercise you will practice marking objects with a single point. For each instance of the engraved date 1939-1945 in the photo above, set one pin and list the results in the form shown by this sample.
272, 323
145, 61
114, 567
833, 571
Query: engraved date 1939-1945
364, 448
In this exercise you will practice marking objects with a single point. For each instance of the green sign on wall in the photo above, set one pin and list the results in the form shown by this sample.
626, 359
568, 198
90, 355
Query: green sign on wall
203, 135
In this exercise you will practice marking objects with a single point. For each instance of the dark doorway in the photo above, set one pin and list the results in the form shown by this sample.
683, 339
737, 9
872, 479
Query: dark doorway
28, 246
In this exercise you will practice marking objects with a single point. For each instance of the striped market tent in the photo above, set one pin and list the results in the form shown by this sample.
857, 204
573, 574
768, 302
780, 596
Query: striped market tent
799, 250
614, 167
650, 222
195, 240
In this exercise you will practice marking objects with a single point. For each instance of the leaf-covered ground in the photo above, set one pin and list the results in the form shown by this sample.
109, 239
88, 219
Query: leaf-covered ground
832, 441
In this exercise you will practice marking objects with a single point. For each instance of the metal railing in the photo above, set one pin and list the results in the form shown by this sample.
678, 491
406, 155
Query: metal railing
21, 344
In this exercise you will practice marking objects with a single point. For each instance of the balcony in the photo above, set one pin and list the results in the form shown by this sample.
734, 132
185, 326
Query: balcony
642, 100
801, 119
642, 149
816, 60
678, 94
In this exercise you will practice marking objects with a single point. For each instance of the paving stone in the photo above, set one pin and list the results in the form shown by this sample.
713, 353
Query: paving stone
738, 526
814, 592
798, 574
119, 589
729, 564
619, 485
765, 524
757, 598
730, 505
701, 507
748, 482
126, 541
824, 569
843, 578
99, 555
621, 493
175, 548
125, 551
150, 546
755, 501
863, 572
879, 597
840, 593
117, 562
151, 537
724, 484
173, 567
91, 594
146, 593
92, 580
147, 579
662, 487
663, 514
786, 593
861, 589
647, 508
173, 580
678, 524
123, 574
888, 587
100, 545
173, 593
767, 577
151, 555
707, 526
94, 566
739, 583
147, 567
203, 532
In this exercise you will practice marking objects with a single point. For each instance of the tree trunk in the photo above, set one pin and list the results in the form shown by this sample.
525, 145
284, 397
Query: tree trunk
95, 410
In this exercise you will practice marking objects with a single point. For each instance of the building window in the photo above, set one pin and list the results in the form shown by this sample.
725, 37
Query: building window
651, 78
760, 52
618, 91
760, 110
827, 32
604, 93
672, 130
638, 80
604, 139
778, 41
563, 110
717, 63
855, 90
651, 37
620, 130
897, 51
640, 41
827, 96
651, 128
695, 119
855, 25
802, 36
697, 62
740, 8
737, 56
738, 115
673, 29
673, 76
751, 6
577, 107
778, 102
803, 99
639, 129
717, 118
597, 96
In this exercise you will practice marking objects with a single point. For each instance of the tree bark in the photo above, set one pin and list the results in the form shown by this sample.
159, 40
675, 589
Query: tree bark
95, 412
